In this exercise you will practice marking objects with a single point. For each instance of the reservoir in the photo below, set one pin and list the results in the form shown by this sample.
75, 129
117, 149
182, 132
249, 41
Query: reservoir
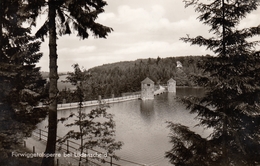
141, 125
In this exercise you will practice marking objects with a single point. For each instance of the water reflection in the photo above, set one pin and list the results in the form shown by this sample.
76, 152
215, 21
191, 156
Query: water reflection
147, 110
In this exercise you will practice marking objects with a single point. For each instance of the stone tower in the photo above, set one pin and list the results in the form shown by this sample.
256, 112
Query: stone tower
147, 90
171, 83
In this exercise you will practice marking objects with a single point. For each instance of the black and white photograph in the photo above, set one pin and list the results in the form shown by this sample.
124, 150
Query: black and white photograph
130, 83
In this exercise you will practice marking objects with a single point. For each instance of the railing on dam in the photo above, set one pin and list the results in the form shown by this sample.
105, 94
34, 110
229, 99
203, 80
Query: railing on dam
159, 90
96, 102
137, 95
69, 147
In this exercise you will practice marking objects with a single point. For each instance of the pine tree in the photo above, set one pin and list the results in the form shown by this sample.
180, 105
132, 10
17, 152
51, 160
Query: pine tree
64, 16
19, 53
20, 81
231, 105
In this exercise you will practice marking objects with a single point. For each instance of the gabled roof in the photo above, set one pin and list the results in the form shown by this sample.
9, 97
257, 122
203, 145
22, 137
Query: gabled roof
147, 81
171, 80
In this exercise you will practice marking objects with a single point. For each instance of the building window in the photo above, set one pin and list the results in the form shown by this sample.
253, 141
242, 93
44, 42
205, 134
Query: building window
148, 84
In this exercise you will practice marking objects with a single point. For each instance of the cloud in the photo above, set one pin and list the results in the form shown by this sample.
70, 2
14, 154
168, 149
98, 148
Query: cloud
251, 20
153, 20
155, 48
78, 50
139, 18
149, 46
142, 29
106, 16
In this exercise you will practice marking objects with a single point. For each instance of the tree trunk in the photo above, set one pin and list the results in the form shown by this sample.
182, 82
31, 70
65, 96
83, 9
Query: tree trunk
80, 120
225, 120
53, 76
1, 29
81, 143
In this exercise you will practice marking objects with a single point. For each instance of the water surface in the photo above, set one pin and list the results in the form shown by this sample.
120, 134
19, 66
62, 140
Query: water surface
141, 125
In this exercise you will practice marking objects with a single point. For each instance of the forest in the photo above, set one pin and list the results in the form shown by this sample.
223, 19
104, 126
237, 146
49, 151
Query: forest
124, 78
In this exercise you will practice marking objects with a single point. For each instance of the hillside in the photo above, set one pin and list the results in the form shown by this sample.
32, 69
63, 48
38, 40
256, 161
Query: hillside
126, 77
121, 77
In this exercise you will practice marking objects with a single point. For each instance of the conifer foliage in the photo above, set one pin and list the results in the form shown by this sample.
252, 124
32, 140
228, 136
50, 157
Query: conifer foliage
20, 80
19, 52
231, 105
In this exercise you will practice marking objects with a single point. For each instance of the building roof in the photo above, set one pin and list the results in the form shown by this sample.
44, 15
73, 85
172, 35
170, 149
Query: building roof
171, 80
147, 81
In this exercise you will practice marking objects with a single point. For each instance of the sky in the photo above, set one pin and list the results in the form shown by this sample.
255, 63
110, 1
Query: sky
141, 29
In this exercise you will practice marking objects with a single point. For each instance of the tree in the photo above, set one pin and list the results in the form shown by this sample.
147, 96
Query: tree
20, 81
231, 105
96, 128
78, 75
63, 16
18, 49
